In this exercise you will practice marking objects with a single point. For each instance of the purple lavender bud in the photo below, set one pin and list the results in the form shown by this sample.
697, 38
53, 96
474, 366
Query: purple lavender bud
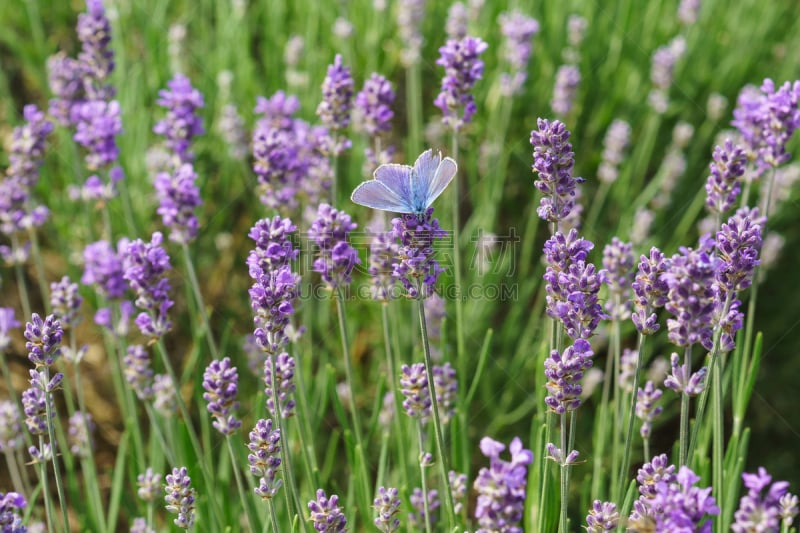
96, 57
614, 144
602, 517
566, 87
518, 30
7, 323
149, 485
97, 125
182, 123
661, 72
677, 505
681, 382
462, 69
41, 455
65, 301
35, 410
283, 383
573, 299
179, 197
690, 298
650, 291
723, 185
336, 258
326, 514
10, 427
180, 497
334, 109
44, 340
458, 487
28, 144
43, 381
687, 12
645, 407
387, 506
789, 509
221, 383
103, 268
79, 434
627, 368
757, 511
146, 266
232, 130
444, 378
564, 372
561, 251
265, 458
618, 261
435, 312
553, 160
65, 78
271, 298
278, 110
383, 257
738, 243
501, 487
767, 119
137, 371
417, 268
274, 245
164, 392
417, 519
414, 386
11, 509
410, 18
278, 164
651, 474
18, 213
374, 106
139, 525
457, 21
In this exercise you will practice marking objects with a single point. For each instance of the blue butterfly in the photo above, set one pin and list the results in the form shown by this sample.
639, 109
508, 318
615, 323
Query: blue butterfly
405, 189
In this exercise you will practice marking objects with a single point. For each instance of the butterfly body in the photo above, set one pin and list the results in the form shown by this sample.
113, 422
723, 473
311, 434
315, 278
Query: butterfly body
405, 189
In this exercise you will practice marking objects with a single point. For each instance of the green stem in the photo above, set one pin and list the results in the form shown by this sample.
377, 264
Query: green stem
437, 424
414, 95
271, 505
684, 427
460, 349
422, 478
51, 420
251, 522
48, 505
562, 522
616, 401
393, 386
21, 284
44, 288
13, 469
626, 456
212, 345
545, 478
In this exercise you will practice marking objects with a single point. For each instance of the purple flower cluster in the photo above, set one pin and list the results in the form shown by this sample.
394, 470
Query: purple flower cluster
180, 497
265, 458
671, 502
43, 340
146, 266
221, 385
553, 160
179, 197
602, 517
618, 260
462, 69
458, 487
501, 487
766, 120
416, 519
687, 12
274, 245
681, 381
416, 267
28, 143
182, 123
650, 290
97, 125
738, 243
373, 114
336, 258
7, 323
79, 434
383, 251
457, 21
387, 505
616, 140
414, 387
759, 510
11, 509
10, 428
104, 269
723, 185
410, 16
566, 87
137, 371
690, 278
518, 30
149, 485
65, 301
271, 298
35, 409
646, 409
283, 384
564, 372
164, 399
661, 72
444, 378
326, 514
337, 102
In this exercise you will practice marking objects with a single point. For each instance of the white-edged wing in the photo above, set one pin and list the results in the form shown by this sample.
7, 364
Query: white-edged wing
378, 195
442, 177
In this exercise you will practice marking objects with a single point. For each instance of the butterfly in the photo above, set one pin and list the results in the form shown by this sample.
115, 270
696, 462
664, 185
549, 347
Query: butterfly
405, 189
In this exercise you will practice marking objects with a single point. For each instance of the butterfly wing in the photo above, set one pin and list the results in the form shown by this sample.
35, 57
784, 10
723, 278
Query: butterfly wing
378, 195
444, 174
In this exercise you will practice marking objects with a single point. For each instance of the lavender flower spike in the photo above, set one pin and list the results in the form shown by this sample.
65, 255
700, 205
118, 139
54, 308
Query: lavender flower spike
373, 114
646, 410
265, 458
96, 57
564, 372
43, 340
387, 506
566, 87
723, 185
65, 301
283, 383
759, 511
7, 323
11, 509
179, 197
221, 383
553, 160
417, 268
336, 258
28, 143
182, 123
614, 144
271, 298
682, 383
690, 299
602, 517
650, 291
274, 245
414, 386
463, 69
180, 497
501, 487
410, 16
337, 96
518, 30
326, 514
738, 244
146, 266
